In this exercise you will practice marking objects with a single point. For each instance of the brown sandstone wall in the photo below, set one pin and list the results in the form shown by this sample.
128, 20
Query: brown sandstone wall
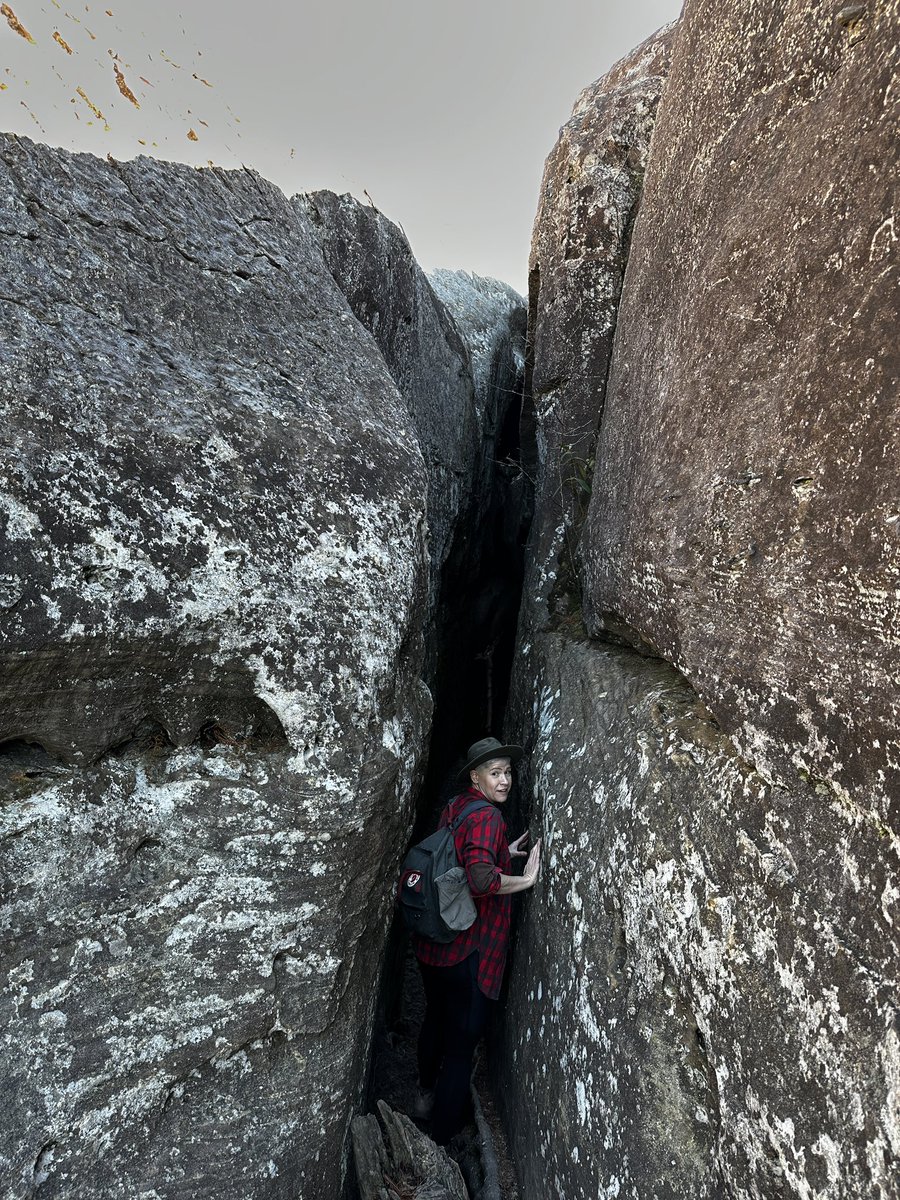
745, 517
702, 999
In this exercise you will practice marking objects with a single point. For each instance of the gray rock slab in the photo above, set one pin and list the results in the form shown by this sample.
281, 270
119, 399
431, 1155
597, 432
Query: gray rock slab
744, 517
589, 197
491, 317
215, 581
200, 446
702, 996
389, 293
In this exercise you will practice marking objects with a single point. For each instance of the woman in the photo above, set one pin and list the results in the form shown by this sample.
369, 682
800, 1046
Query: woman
462, 978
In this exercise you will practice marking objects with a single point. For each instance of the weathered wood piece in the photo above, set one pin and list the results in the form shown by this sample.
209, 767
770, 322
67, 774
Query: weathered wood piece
400, 1162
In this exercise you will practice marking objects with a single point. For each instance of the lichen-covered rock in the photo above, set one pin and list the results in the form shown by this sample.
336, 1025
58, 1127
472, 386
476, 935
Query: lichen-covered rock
212, 716
703, 990
588, 200
491, 317
373, 265
745, 517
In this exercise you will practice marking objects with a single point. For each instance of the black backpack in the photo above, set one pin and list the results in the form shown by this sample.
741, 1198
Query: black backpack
426, 862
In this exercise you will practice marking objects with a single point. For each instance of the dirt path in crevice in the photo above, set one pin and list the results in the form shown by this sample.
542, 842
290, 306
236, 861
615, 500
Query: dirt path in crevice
394, 1080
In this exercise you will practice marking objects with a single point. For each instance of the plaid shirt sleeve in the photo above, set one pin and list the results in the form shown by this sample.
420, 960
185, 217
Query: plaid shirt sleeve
483, 836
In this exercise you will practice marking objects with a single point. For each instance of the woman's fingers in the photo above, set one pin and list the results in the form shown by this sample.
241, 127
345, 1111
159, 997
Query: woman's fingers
534, 860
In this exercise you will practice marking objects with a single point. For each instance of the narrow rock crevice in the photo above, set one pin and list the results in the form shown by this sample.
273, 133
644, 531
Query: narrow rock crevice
482, 580
477, 616
528, 421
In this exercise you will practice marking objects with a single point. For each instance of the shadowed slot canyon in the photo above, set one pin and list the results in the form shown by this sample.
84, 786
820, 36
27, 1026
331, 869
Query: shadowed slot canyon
286, 523
481, 597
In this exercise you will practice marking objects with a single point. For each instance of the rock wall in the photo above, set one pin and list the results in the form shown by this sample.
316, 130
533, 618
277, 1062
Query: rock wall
215, 507
374, 267
702, 999
490, 315
744, 515
588, 201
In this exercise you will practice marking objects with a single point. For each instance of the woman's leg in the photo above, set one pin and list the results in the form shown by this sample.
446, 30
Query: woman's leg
430, 1047
466, 1016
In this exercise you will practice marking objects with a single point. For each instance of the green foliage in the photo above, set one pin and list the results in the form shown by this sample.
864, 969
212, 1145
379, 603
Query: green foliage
577, 471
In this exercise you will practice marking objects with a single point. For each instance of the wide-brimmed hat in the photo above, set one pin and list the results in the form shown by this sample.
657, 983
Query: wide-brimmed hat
487, 748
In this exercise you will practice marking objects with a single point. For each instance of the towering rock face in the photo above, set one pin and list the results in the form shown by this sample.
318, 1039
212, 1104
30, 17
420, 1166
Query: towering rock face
745, 516
215, 586
588, 201
373, 265
703, 993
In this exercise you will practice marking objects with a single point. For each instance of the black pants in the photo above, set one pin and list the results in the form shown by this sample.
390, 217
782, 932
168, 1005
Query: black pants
456, 1016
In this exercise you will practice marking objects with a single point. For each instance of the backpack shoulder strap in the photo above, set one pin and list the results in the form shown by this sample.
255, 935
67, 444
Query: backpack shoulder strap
471, 807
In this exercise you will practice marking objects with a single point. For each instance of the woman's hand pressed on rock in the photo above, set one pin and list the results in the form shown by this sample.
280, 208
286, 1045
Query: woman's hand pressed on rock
528, 878
533, 864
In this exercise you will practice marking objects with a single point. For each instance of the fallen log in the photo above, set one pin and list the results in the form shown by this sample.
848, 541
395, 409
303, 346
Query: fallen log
401, 1162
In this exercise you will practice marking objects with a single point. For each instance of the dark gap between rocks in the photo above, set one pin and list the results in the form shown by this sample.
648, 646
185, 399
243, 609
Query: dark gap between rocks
481, 594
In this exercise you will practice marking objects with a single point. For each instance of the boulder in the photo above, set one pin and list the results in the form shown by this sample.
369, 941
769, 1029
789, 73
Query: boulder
702, 996
744, 518
390, 295
491, 318
588, 201
213, 720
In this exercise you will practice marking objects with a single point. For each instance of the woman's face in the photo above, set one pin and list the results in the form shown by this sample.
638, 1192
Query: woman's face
493, 779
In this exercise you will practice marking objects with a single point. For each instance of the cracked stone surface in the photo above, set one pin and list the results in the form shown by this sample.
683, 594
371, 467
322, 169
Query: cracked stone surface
588, 200
491, 318
704, 985
374, 267
745, 517
214, 528
703, 993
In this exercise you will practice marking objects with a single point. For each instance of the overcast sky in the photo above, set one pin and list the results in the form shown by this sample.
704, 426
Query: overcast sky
442, 110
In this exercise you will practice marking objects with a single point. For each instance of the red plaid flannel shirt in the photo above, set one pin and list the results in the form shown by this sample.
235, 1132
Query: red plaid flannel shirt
481, 838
